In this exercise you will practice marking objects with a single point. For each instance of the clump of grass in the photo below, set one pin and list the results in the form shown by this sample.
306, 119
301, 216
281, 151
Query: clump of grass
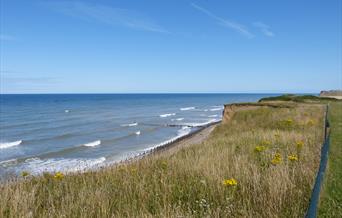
222, 177
297, 98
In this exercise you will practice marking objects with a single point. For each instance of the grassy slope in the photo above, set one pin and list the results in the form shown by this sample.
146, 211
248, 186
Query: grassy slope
331, 200
331, 195
189, 182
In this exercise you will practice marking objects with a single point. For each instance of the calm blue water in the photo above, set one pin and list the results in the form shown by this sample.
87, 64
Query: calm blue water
79, 131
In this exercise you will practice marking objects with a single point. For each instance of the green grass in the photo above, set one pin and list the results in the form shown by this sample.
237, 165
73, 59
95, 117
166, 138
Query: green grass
297, 98
189, 182
331, 196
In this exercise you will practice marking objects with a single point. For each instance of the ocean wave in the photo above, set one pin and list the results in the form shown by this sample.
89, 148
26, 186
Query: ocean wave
38, 166
178, 119
216, 109
130, 124
215, 115
181, 132
167, 115
202, 124
92, 144
9, 162
187, 108
138, 132
4, 145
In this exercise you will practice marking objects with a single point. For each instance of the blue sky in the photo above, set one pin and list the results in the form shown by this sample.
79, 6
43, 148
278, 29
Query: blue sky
111, 46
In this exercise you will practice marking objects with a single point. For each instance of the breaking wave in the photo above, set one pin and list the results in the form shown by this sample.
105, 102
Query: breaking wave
187, 108
37, 166
181, 132
93, 144
167, 115
10, 144
178, 119
215, 115
130, 124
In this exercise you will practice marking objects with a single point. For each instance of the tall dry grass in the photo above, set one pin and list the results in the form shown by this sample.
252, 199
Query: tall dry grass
189, 182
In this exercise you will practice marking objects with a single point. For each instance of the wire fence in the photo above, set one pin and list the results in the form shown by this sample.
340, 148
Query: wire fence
312, 210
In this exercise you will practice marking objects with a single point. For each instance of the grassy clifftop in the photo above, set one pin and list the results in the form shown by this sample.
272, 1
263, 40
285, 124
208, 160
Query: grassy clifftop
331, 196
260, 164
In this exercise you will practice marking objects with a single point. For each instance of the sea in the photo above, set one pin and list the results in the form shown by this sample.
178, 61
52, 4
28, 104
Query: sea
76, 132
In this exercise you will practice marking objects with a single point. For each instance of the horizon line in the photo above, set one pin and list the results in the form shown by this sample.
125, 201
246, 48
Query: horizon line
142, 93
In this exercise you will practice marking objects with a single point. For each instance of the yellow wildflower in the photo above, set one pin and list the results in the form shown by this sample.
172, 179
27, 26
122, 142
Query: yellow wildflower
25, 173
293, 157
300, 144
229, 182
260, 148
276, 159
59, 175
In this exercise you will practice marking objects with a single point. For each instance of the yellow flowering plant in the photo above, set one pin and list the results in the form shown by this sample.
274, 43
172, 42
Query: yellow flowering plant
277, 159
260, 148
293, 157
59, 175
230, 182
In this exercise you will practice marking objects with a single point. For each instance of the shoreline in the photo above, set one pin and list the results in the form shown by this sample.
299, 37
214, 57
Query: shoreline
194, 137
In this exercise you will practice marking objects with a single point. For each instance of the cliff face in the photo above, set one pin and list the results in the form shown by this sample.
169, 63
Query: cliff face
230, 109
337, 94
331, 93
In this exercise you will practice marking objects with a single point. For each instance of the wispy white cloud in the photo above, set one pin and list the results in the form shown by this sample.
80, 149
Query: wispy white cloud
107, 15
4, 37
265, 29
226, 23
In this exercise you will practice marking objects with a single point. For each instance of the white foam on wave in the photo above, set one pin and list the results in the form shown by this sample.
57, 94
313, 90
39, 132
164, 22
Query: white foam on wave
178, 119
138, 132
130, 124
202, 124
92, 144
215, 115
66, 111
9, 144
9, 162
216, 109
167, 115
187, 108
181, 132
38, 166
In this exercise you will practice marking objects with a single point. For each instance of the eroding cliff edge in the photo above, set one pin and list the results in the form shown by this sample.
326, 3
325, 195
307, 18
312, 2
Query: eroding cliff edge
231, 109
